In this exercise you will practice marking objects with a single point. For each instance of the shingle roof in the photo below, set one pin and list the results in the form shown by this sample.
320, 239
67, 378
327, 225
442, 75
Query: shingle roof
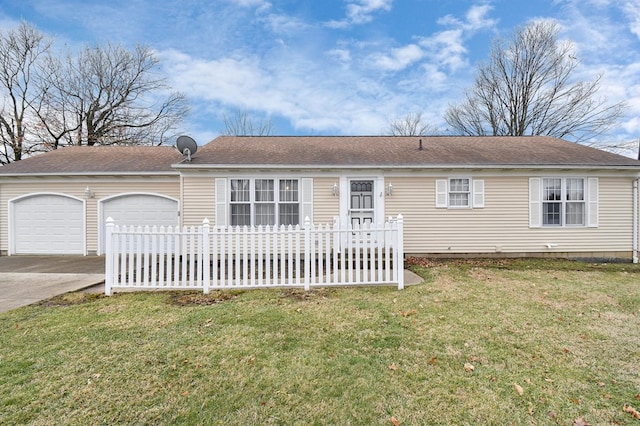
98, 160
324, 152
390, 151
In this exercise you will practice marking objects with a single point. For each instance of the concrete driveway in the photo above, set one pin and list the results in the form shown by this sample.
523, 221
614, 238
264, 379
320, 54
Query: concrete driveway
29, 279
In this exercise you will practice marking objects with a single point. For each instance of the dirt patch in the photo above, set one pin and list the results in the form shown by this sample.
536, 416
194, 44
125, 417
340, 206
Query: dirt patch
70, 299
181, 298
299, 294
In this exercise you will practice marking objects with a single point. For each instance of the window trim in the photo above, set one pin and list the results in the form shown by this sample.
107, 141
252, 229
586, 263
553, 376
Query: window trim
475, 193
563, 202
590, 190
277, 202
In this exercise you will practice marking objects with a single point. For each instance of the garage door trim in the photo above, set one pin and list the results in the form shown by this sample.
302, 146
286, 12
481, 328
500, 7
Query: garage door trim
12, 220
102, 220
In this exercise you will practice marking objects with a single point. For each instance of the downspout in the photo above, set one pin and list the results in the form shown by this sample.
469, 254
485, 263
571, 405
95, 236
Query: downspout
635, 220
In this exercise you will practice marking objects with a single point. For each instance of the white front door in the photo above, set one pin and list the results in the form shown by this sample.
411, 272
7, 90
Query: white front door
361, 202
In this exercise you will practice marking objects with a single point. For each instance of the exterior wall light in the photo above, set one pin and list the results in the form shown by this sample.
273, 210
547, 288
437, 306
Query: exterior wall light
389, 189
88, 193
336, 191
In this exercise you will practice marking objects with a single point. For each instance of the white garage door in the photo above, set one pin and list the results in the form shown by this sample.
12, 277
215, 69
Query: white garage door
140, 209
48, 224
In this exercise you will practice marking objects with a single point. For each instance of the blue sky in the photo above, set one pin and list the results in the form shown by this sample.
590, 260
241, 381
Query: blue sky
343, 67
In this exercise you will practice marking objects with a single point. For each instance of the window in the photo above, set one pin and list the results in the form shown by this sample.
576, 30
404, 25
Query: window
258, 202
459, 192
563, 202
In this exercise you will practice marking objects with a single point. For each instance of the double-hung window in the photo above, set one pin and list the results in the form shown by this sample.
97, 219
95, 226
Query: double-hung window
255, 202
460, 193
563, 202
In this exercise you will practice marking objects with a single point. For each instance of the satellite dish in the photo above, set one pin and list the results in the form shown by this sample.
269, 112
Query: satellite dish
187, 146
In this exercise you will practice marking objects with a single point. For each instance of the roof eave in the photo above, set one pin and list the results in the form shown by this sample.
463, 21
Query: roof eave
104, 173
185, 167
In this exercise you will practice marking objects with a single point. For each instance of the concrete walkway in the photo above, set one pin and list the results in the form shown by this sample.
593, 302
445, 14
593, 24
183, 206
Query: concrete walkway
22, 289
29, 279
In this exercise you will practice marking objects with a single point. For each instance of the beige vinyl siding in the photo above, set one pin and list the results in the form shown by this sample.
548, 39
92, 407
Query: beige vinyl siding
198, 200
326, 206
102, 187
502, 226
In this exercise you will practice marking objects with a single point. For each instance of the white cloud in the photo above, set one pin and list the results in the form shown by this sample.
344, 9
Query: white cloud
361, 12
342, 55
399, 58
260, 5
476, 19
632, 10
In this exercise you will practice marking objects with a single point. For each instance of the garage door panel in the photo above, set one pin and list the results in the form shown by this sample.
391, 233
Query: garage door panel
141, 210
48, 224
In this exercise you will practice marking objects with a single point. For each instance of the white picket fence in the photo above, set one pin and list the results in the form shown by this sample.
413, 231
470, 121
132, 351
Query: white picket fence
252, 257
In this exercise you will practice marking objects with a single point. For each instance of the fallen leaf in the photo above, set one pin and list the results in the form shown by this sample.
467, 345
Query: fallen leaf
433, 360
468, 367
575, 401
552, 415
185, 393
493, 379
395, 422
638, 397
530, 410
548, 380
393, 367
580, 422
629, 409
601, 384
518, 389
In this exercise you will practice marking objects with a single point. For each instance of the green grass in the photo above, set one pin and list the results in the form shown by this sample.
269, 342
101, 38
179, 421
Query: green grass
567, 333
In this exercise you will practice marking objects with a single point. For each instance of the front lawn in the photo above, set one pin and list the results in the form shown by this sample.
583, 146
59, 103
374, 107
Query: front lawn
480, 342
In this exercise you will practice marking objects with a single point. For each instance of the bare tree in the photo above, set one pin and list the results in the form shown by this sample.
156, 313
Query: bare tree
107, 95
526, 88
411, 124
21, 49
240, 123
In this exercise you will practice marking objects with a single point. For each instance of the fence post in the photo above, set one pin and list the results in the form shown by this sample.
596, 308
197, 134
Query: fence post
108, 264
400, 252
307, 253
206, 276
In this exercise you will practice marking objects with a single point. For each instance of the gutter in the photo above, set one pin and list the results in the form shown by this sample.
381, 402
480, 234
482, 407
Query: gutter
209, 166
82, 174
635, 220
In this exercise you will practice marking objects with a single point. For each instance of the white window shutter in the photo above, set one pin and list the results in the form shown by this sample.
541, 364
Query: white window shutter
592, 209
535, 203
478, 194
441, 193
221, 202
307, 199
